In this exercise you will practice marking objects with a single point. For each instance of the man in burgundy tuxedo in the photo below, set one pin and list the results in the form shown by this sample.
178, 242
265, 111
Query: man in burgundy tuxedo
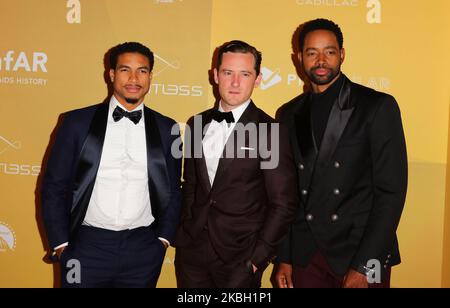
237, 200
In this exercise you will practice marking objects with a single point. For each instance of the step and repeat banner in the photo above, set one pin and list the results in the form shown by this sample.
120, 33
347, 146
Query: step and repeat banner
52, 60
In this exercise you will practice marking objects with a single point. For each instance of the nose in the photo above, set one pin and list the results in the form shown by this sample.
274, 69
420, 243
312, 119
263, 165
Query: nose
133, 76
321, 59
235, 80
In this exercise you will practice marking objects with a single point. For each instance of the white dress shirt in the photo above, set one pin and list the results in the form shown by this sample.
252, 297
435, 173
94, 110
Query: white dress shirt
120, 199
216, 138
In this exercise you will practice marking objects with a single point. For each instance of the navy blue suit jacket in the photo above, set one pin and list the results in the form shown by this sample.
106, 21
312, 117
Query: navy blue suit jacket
74, 161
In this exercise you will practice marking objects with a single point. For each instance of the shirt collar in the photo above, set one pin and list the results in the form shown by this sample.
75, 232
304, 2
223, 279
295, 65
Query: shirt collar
238, 111
113, 103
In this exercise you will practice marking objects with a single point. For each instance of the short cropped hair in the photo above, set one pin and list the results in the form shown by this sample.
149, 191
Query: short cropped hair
237, 46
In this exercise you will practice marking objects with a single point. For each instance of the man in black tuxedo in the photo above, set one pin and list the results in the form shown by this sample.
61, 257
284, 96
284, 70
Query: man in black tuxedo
111, 193
350, 152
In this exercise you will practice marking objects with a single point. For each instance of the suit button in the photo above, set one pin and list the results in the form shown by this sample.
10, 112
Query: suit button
301, 167
309, 217
387, 261
337, 192
335, 217
389, 256
385, 266
304, 192
337, 165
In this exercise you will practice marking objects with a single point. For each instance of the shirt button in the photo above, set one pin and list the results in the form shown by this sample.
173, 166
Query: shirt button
335, 217
337, 192
309, 217
301, 167
304, 192
337, 165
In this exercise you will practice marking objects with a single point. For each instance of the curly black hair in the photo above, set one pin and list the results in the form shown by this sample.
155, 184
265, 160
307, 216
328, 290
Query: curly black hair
133, 47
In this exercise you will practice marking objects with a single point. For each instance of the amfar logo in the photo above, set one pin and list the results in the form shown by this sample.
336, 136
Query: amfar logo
5, 144
7, 238
32, 63
74, 14
269, 78
374, 14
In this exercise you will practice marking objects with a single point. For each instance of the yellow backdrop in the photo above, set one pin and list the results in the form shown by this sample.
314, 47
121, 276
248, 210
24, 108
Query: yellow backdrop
51, 60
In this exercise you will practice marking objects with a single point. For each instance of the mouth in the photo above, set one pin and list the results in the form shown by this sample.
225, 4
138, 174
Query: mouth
133, 88
234, 93
321, 72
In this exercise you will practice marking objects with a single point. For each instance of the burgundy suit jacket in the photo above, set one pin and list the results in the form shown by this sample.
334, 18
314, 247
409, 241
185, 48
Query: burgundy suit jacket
247, 209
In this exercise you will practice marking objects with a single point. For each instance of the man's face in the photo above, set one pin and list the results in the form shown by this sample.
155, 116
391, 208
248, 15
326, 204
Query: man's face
321, 57
131, 78
236, 78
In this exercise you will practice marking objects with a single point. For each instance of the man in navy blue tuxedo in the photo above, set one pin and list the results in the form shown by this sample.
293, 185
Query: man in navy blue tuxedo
111, 190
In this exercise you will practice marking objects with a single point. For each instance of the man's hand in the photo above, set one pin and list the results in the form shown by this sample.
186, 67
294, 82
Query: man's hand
283, 276
60, 251
165, 244
254, 268
354, 279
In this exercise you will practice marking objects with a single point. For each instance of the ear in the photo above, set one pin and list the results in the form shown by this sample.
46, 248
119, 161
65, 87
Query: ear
258, 80
216, 76
150, 76
299, 57
111, 75
342, 55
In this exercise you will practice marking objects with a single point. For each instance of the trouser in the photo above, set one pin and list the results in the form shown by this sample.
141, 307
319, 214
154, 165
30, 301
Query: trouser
100, 258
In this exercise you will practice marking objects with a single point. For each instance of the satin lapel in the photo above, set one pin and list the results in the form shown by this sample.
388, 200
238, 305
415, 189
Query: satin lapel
226, 161
339, 116
87, 167
158, 178
202, 168
305, 138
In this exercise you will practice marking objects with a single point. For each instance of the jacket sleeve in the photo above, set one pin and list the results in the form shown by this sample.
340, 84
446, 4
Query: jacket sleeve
56, 185
169, 221
280, 183
390, 173
189, 173
284, 249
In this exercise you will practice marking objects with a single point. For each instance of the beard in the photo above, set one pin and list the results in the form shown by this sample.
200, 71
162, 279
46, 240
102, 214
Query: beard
322, 79
132, 101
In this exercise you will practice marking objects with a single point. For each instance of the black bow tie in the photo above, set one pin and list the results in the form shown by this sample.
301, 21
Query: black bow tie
220, 116
134, 116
